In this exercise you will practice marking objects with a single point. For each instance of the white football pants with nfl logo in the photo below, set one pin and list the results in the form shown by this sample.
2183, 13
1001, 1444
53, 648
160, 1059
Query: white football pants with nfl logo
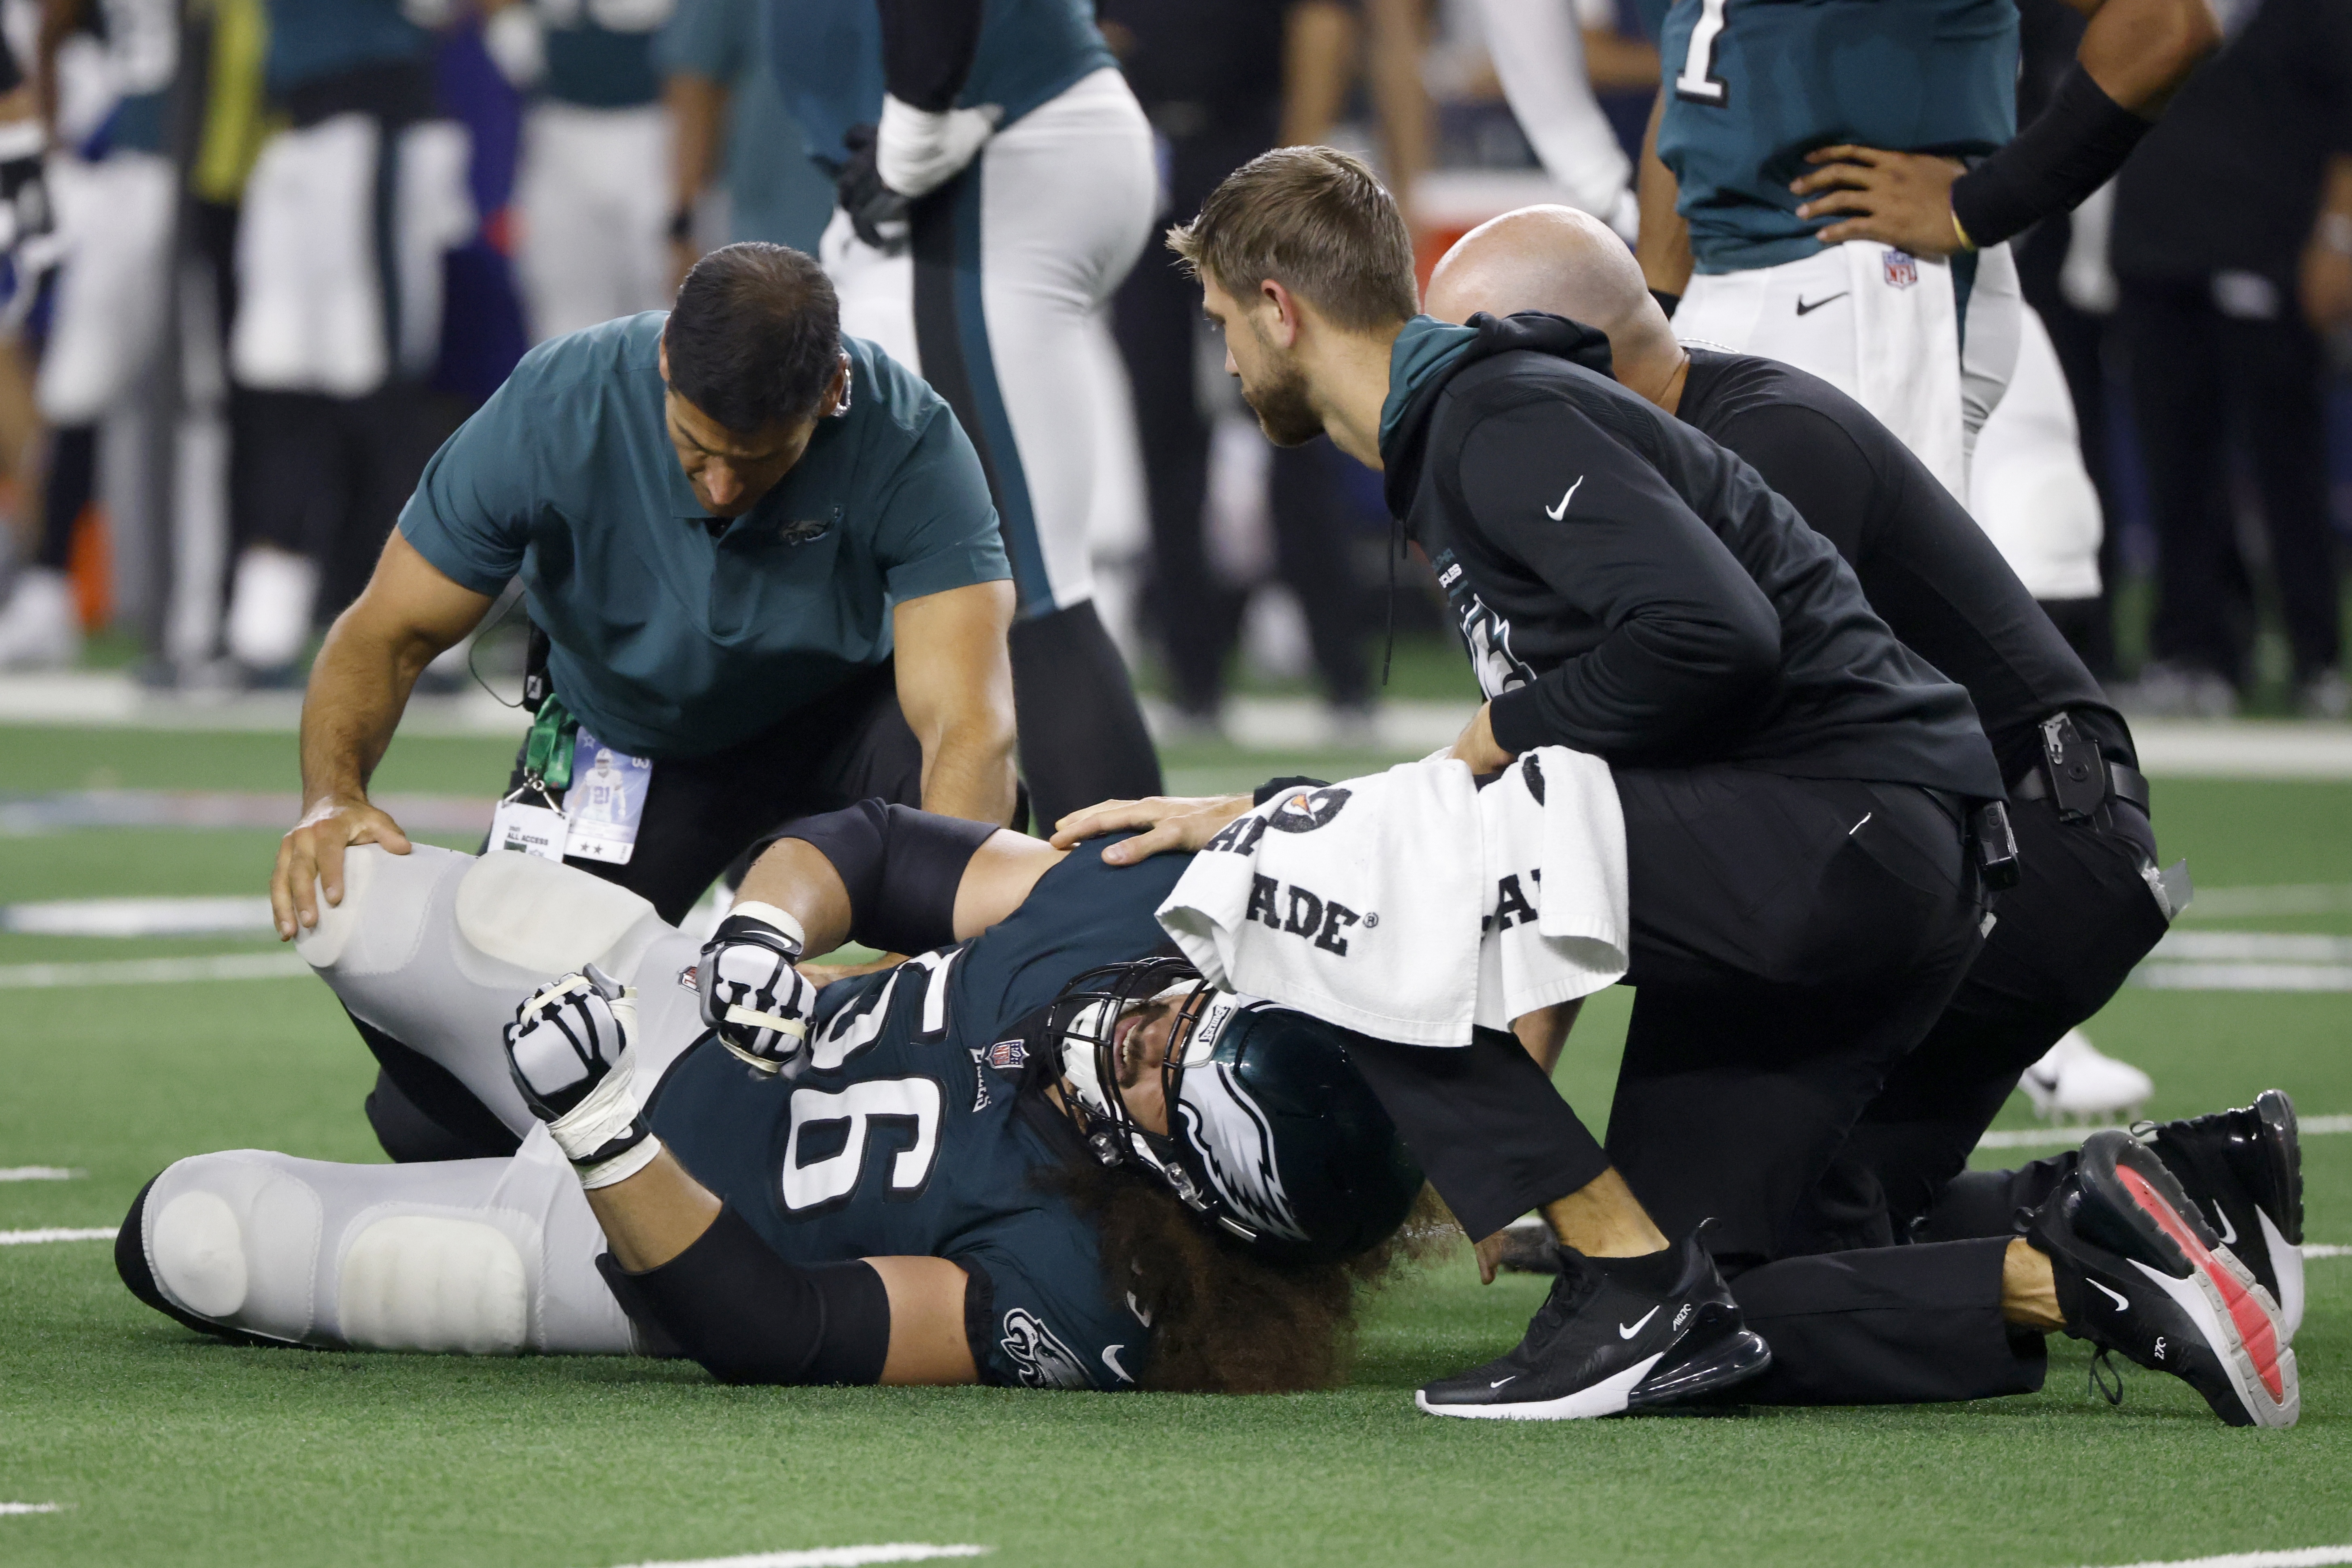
1883, 328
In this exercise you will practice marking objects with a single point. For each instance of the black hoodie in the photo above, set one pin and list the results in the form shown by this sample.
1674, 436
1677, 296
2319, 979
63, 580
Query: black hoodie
1629, 588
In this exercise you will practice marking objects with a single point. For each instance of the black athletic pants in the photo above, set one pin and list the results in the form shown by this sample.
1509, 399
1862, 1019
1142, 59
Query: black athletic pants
1854, 1318
1793, 939
701, 813
2201, 379
1157, 317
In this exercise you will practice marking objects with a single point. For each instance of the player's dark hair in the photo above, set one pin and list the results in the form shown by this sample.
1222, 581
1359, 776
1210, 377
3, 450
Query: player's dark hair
1224, 1322
1315, 220
755, 336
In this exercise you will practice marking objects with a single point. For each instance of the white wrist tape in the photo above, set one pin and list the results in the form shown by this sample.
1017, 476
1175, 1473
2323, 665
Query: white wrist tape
603, 1116
620, 1166
752, 909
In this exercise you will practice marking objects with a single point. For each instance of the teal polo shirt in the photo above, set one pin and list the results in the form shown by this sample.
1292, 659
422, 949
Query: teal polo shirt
667, 642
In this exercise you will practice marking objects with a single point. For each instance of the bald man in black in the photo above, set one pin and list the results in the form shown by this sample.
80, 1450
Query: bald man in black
2089, 905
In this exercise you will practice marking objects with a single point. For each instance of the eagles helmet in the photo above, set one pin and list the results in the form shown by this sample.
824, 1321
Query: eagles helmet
1272, 1135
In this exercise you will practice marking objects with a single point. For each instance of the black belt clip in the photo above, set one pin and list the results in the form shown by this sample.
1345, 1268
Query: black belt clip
536, 682
1994, 843
2076, 772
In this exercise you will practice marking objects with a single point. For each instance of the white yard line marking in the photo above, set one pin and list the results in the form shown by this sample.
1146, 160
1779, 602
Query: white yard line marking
2249, 947
2324, 1249
829, 1557
63, 811
29, 1238
2247, 960
137, 916
2059, 1137
2279, 899
153, 970
39, 1174
30, 1507
2244, 976
2302, 1557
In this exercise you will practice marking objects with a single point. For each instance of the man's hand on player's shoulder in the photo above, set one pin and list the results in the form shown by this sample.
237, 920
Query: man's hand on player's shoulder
1903, 199
1171, 823
311, 858
1477, 745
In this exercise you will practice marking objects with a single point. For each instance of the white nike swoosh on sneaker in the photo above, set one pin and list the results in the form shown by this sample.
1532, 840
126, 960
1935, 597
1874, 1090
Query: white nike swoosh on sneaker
1500, 1380
2223, 1228
1626, 1332
2123, 1302
1557, 513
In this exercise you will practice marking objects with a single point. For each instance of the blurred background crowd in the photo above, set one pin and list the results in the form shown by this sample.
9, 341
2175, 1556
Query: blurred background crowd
298, 241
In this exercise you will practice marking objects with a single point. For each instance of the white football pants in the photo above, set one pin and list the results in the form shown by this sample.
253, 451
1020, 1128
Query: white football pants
594, 195
1883, 327
482, 1256
995, 302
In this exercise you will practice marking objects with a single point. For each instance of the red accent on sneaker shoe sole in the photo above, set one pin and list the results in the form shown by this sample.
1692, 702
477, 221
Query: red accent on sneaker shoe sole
2246, 1314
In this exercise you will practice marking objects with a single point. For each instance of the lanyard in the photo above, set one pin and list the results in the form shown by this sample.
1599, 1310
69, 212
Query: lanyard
547, 754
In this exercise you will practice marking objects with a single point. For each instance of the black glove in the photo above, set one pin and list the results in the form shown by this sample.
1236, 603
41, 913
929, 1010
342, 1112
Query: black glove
24, 199
751, 992
876, 212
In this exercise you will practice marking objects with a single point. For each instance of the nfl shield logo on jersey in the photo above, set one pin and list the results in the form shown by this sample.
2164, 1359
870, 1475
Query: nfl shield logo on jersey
1902, 269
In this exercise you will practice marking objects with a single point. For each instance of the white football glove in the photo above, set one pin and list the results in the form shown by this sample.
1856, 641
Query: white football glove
568, 1049
751, 992
917, 151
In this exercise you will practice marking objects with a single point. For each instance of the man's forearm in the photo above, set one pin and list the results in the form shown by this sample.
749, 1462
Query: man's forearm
968, 772
698, 107
1664, 247
359, 687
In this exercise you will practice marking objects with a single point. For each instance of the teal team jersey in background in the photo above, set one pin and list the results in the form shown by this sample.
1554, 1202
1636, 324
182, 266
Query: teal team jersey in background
669, 642
600, 52
1752, 86
828, 57
906, 1133
773, 191
310, 40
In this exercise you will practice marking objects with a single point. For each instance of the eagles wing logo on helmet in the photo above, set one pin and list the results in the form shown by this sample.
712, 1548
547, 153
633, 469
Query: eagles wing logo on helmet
1307, 812
1229, 1134
1040, 1360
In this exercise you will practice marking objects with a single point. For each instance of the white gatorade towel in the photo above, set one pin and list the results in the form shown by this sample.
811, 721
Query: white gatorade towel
1410, 907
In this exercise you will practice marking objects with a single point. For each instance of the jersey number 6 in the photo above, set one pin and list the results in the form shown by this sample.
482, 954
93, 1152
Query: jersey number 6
1698, 83
910, 1102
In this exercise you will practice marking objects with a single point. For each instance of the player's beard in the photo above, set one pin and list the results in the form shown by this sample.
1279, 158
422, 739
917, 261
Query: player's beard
1280, 401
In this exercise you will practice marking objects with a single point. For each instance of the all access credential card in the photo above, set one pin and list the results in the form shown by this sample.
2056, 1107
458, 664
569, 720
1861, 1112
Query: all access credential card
606, 801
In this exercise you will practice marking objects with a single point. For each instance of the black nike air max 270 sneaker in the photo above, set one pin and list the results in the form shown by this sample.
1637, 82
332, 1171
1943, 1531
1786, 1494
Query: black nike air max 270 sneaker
2137, 1271
2244, 1170
1598, 1346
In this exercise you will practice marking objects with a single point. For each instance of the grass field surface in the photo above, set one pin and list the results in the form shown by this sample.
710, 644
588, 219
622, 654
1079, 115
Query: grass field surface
155, 1445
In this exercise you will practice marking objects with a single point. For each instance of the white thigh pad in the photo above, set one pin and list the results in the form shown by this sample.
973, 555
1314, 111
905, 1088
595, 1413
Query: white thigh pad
430, 1282
542, 916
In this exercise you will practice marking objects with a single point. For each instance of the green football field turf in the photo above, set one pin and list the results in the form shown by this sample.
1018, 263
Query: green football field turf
162, 1447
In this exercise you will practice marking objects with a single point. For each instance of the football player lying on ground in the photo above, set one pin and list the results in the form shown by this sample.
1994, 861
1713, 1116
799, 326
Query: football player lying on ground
1040, 1154
2110, 1245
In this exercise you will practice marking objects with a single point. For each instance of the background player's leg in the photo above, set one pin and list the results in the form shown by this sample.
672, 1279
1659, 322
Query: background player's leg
1989, 340
474, 1257
2169, 334
2277, 368
1012, 261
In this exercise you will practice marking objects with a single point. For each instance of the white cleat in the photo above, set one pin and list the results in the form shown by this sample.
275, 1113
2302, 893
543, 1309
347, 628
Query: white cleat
2074, 1082
39, 625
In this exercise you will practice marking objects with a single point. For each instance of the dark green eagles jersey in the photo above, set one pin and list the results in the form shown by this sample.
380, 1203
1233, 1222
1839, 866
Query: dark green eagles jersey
906, 1133
600, 52
1752, 86
828, 58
